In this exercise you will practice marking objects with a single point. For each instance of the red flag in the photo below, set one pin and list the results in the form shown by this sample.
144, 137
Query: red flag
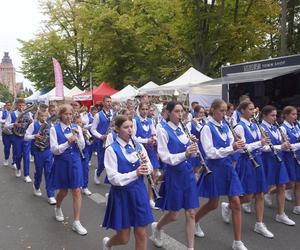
59, 82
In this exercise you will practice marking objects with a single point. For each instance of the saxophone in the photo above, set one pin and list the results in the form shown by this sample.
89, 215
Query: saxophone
43, 143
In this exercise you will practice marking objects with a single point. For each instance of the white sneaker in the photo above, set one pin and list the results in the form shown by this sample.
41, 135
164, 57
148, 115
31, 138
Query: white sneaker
238, 245
27, 179
296, 210
226, 212
96, 178
52, 201
14, 166
106, 198
31, 158
268, 200
86, 191
90, 164
104, 243
18, 173
5, 163
283, 218
152, 205
289, 194
261, 228
77, 227
37, 192
156, 235
247, 207
59, 216
198, 231
95, 153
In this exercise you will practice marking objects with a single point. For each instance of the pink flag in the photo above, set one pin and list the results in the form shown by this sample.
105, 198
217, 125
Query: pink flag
59, 82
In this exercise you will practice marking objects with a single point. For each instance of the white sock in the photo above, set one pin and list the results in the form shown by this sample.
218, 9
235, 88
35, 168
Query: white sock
190, 248
237, 242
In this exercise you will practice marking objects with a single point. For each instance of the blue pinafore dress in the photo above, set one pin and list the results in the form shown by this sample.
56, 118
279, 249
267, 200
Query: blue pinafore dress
224, 179
127, 206
196, 132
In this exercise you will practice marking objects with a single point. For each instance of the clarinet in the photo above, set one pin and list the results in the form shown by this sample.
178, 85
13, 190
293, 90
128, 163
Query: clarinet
75, 133
149, 176
265, 134
207, 171
246, 151
286, 139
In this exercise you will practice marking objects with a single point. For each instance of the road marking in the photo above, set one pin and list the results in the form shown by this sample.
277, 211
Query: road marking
170, 243
98, 198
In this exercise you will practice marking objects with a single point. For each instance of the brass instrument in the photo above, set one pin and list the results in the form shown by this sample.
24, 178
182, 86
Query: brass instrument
207, 171
266, 135
246, 151
75, 132
24, 120
110, 127
88, 137
286, 139
44, 142
140, 155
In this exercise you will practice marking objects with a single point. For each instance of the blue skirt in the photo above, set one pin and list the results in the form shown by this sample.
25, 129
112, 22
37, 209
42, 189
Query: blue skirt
276, 173
67, 171
253, 179
153, 156
223, 180
128, 206
179, 188
292, 167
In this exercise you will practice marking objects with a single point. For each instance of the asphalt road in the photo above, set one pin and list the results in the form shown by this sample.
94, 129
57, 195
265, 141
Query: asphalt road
27, 222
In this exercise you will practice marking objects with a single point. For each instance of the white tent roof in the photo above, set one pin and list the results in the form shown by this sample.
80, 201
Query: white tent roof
50, 96
124, 94
33, 97
75, 91
181, 84
148, 85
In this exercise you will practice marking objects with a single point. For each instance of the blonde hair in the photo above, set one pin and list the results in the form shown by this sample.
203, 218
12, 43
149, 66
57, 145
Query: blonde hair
63, 109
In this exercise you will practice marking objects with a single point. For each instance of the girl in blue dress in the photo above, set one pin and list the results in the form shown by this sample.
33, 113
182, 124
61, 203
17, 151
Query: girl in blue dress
178, 191
128, 204
65, 141
290, 127
253, 179
218, 144
145, 134
276, 172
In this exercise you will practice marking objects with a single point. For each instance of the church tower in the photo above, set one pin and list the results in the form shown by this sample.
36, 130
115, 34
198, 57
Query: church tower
8, 73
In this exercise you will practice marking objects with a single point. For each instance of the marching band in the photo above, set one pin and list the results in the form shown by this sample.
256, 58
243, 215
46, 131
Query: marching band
243, 154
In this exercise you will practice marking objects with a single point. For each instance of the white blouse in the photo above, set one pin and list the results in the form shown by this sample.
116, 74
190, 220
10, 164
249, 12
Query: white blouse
58, 149
111, 164
95, 125
295, 146
145, 127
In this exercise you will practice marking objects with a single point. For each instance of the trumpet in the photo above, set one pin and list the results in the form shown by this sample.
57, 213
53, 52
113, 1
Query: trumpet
207, 171
75, 132
286, 139
266, 135
246, 151
149, 176
87, 136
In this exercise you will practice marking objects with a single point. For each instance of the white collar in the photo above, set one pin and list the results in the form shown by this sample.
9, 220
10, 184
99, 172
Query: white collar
248, 123
173, 126
64, 126
143, 119
123, 143
288, 124
213, 121
266, 123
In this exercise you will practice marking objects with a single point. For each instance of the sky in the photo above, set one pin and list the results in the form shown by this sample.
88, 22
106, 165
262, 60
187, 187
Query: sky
18, 19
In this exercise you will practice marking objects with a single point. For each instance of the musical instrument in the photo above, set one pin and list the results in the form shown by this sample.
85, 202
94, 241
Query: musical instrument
88, 137
6, 130
75, 132
24, 120
110, 126
149, 176
246, 151
286, 139
266, 135
207, 171
52, 119
44, 142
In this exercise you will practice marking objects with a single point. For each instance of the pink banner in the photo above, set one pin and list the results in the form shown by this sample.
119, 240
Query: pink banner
59, 82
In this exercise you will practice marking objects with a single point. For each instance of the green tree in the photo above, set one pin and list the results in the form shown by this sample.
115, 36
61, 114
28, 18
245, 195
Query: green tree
5, 95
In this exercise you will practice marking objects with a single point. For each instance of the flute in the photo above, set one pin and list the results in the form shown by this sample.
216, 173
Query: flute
286, 139
246, 151
199, 155
149, 176
75, 132
265, 134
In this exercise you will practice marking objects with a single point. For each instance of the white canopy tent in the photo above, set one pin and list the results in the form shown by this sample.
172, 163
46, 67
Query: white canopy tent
75, 91
126, 93
205, 94
181, 84
34, 97
51, 95
147, 86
